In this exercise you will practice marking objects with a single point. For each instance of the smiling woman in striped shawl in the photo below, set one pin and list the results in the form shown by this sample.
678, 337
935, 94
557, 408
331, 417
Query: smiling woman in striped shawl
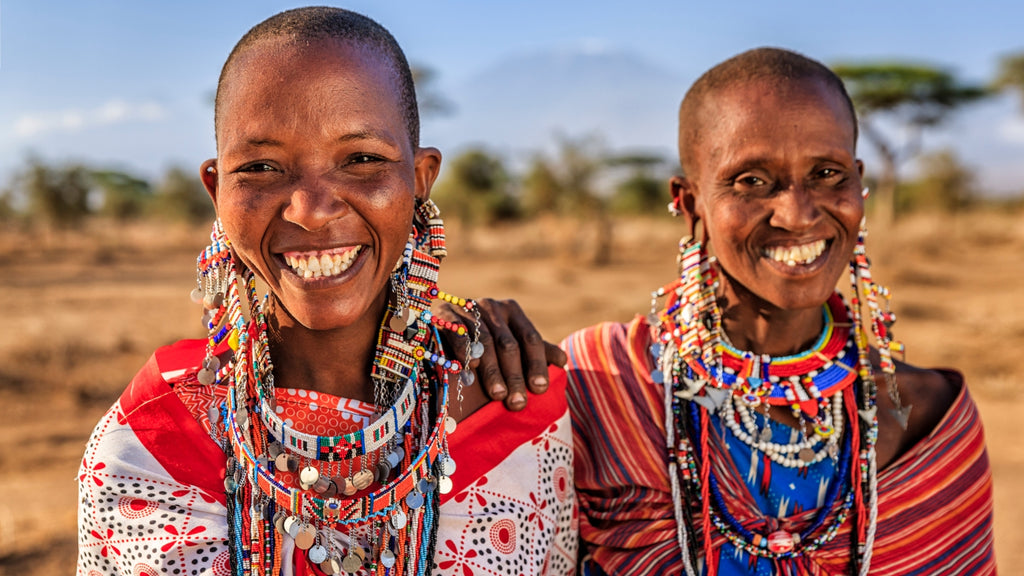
747, 426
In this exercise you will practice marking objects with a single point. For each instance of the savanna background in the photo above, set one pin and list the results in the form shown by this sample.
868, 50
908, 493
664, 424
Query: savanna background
557, 125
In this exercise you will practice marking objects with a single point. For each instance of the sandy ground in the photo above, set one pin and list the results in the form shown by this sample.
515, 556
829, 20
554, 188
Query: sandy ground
83, 311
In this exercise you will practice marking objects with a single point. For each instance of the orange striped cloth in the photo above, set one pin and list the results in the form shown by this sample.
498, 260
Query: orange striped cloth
935, 501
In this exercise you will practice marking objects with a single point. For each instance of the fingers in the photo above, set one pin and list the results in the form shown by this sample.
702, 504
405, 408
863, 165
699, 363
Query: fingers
507, 371
533, 352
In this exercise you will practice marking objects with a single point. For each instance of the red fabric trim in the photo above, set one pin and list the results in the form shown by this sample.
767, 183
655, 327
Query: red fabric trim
167, 429
489, 435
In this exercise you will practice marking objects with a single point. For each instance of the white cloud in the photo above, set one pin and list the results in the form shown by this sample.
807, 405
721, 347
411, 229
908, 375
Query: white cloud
1012, 130
75, 120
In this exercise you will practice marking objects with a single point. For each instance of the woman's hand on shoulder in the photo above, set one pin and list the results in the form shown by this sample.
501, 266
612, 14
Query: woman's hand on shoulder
515, 356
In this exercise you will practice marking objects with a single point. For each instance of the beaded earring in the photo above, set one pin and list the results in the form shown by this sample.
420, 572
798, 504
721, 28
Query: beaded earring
214, 280
881, 320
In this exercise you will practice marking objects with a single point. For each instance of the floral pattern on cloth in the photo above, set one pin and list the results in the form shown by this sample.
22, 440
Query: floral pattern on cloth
136, 519
152, 496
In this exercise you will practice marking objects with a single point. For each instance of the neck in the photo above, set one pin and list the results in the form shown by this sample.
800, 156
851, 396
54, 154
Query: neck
336, 362
756, 326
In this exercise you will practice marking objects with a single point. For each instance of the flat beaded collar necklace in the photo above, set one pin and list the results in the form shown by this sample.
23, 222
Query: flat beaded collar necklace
825, 387
291, 490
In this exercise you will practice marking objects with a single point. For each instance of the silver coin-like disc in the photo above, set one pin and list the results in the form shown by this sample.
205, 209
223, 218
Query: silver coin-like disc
317, 554
309, 475
476, 350
449, 424
414, 499
444, 485
399, 519
387, 558
806, 454
447, 466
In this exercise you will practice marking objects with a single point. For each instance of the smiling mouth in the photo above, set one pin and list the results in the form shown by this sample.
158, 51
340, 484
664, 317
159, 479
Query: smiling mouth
802, 254
321, 264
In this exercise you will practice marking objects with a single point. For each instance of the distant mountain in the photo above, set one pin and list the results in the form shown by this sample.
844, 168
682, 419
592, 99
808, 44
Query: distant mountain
521, 103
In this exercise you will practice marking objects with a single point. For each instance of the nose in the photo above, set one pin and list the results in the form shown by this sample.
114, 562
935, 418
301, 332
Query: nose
313, 203
794, 209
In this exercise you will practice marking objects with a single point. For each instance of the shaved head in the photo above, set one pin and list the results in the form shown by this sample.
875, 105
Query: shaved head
759, 65
318, 23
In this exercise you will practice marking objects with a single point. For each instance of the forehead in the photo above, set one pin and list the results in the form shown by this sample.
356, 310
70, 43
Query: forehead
281, 73
760, 115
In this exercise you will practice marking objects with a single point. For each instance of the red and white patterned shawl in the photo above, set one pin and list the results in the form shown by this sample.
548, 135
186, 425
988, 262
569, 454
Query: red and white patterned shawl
152, 495
935, 501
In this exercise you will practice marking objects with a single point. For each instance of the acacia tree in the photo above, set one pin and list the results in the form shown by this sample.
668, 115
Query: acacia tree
1011, 75
912, 96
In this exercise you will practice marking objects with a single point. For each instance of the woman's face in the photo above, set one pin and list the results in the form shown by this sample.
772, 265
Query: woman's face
778, 188
316, 177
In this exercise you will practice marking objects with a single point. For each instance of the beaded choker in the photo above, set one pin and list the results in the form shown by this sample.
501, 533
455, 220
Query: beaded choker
363, 502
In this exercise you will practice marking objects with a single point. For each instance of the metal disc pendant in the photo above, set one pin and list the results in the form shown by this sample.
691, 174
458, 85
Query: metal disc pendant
279, 519
309, 475
447, 466
317, 554
399, 519
196, 295
806, 454
449, 424
286, 463
765, 435
387, 558
467, 377
396, 324
414, 499
351, 563
306, 537
291, 526
409, 317
347, 487
322, 486
476, 350
331, 566
444, 485
206, 376
362, 479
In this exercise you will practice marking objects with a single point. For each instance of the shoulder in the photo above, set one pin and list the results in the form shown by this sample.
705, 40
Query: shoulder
929, 394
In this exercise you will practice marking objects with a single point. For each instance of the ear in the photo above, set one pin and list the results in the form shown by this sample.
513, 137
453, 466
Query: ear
684, 199
427, 163
208, 174
860, 167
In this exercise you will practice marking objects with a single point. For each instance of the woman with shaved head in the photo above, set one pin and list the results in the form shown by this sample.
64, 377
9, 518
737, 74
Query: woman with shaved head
747, 425
322, 428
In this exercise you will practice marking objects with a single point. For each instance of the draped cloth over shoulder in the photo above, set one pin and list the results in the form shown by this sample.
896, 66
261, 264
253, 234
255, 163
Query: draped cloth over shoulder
935, 501
151, 483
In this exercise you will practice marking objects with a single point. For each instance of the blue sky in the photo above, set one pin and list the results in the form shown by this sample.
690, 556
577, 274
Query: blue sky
129, 84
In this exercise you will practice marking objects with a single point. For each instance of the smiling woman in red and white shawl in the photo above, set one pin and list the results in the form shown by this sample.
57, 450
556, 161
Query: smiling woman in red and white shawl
745, 426
321, 429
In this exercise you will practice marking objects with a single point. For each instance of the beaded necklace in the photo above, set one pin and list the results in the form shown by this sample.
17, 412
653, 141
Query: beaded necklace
702, 374
363, 502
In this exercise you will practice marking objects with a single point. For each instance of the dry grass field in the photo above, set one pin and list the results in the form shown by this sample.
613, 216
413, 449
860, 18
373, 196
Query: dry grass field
82, 311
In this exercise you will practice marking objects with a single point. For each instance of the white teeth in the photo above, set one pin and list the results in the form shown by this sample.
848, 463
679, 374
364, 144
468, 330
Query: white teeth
793, 255
324, 265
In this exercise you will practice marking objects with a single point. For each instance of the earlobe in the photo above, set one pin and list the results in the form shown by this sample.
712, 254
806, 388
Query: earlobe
684, 199
427, 166
208, 174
